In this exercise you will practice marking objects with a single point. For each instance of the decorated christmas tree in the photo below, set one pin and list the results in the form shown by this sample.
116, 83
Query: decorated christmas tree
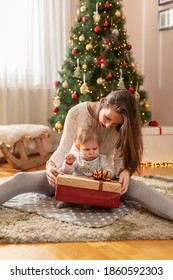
99, 59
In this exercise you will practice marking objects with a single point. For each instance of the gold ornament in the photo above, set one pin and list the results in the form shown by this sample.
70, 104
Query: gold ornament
118, 13
58, 126
146, 106
84, 66
56, 101
83, 8
89, 47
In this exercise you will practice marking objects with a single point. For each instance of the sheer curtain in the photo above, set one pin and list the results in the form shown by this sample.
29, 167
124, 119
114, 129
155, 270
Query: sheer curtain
33, 43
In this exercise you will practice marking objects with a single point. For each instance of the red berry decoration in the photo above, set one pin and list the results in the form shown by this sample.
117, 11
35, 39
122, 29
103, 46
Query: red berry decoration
97, 29
74, 51
129, 47
107, 5
57, 83
74, 95
110, 76
55, 109
131, 89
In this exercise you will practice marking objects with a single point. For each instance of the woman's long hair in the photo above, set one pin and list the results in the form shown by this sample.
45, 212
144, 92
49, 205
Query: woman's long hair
130, 141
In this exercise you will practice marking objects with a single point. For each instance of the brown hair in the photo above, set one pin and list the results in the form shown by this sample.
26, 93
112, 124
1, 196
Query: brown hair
130, 141
86, 134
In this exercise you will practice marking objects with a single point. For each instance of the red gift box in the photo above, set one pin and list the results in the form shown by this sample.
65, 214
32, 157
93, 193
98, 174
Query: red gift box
84, 190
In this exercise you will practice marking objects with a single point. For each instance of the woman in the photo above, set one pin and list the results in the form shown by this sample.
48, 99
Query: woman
117, 119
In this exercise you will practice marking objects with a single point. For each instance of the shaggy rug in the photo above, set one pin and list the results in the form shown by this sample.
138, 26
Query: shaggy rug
134, 222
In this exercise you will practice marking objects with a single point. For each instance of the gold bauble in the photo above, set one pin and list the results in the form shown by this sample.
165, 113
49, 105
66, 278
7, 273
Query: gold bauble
118, 13
58, 125
84, 66
146, 106
65, 84
83, 8
89, 47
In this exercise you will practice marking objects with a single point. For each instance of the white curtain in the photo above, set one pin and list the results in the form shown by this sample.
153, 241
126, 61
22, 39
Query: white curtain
33, 43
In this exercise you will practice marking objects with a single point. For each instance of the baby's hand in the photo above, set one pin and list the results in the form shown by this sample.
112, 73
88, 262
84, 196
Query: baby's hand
70, 158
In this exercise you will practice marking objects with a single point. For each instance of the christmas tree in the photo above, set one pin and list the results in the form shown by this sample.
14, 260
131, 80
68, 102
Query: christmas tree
99, 59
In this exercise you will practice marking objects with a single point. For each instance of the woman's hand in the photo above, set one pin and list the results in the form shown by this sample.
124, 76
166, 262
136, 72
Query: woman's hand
124, 180
52, 173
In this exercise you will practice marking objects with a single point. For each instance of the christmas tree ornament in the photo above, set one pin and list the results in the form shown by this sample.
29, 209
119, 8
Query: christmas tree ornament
146, 106
118, 13
121, 82
89, 47
84, 88
77, 71
85, 18
56, 101
84, 66
58, 126
57, 83
81, 38
96, 16
65, 84
55, 110
83, 8
100, 81
70, 40
114, 33
74, 95
78, 19
107, 5
74, 51
106, 24
124, 63
131, 89
106, 43
97, 29
129, 47
110, 76
102, 60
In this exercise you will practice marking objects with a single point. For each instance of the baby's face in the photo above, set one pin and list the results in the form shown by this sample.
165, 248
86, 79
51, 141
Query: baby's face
89, 150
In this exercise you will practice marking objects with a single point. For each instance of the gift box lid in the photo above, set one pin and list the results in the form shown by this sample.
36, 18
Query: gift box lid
157, 130
88, 183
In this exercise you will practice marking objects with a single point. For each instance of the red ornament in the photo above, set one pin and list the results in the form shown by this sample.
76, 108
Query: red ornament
57, 83
153, 123
110, 76
78, 19
74, 95
107, 5
85, 18
74, 51
124, 63
97, 29
129, 47
131, 89
106, 24
55, 109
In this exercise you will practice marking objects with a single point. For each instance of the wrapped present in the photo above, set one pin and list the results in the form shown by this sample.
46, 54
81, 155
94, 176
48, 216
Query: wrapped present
86, 190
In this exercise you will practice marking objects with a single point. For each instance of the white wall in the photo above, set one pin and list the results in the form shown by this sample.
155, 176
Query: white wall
153, 52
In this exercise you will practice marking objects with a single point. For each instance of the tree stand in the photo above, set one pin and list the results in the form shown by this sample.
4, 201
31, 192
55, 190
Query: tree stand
29, 150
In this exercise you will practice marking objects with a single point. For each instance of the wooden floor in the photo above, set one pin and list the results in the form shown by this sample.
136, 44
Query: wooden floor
115, 250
